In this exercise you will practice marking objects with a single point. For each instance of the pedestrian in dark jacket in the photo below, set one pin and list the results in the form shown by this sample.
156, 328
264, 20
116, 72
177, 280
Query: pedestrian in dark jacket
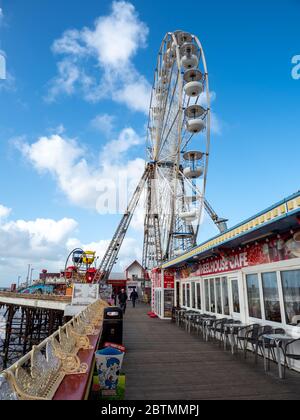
123, 298
134, 297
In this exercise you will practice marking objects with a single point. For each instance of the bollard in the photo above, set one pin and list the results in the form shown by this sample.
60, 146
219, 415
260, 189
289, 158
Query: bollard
112, 327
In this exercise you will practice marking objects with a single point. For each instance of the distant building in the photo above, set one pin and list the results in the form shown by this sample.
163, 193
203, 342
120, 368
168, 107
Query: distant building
134, 277
51, 278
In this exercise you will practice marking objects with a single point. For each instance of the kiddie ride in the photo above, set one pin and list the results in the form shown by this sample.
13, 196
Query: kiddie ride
80, 267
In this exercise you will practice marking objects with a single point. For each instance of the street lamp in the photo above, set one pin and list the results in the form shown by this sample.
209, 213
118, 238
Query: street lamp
28, 273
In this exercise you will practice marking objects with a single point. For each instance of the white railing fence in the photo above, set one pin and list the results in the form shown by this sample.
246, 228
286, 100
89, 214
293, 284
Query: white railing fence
38, 375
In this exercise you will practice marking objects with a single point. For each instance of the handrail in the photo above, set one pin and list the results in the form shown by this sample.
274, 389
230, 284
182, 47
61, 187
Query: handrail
38, 375
52, 298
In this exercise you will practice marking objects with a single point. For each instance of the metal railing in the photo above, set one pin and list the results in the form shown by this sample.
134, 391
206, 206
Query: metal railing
53, 298
38, 375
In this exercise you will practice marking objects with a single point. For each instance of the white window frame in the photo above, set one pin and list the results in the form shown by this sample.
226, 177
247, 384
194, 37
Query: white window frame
287, 265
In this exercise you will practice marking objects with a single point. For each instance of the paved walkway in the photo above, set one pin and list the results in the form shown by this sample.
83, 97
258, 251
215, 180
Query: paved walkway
163, 362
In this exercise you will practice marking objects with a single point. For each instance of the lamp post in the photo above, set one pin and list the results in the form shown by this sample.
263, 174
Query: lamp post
28, 274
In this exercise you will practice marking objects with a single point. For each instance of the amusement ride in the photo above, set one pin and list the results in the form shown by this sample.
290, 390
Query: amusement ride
178, 150
175, 176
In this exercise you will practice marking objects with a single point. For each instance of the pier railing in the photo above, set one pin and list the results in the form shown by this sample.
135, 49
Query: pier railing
38, 375
53, 298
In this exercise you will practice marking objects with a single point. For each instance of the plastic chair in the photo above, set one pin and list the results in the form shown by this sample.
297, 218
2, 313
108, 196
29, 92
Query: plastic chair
247, 335
288, 355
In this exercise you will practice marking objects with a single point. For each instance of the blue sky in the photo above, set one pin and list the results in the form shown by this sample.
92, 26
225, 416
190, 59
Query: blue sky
46, 197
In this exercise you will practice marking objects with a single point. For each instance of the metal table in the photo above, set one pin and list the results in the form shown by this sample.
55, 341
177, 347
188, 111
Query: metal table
206, 323
189, 317
279, 340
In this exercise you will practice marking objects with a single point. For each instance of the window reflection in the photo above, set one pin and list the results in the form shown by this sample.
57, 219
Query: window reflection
253, 296
212, 296
188, 295
184, 294
193, 295
271, 297
235, 296
219, 296
207, 296
198, 296
225, 296
291, 293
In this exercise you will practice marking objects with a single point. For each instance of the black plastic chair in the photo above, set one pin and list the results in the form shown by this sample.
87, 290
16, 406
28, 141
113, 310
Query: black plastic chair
218, 328
227, 331
288, 355
270, 345
247, 335
258, 344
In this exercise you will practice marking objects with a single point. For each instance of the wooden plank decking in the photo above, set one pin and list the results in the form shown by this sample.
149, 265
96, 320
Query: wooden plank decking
163, 362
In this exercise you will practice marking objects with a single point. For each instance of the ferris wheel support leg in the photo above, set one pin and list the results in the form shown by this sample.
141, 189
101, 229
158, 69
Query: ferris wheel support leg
113, 250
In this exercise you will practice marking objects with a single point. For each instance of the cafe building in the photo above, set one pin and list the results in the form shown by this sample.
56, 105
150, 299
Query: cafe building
249, 273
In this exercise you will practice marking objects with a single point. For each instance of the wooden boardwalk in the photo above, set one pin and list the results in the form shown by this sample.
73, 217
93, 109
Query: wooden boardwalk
163, 362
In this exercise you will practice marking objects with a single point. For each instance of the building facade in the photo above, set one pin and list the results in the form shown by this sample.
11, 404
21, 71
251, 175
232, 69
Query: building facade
250, 273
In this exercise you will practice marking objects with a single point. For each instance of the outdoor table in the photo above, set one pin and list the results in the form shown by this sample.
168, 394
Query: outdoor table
232, 328
188, 319
279, 340
178, 315
206, 323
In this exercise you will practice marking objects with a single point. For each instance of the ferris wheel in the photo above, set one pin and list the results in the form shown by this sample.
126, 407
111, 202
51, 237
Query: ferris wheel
178, 147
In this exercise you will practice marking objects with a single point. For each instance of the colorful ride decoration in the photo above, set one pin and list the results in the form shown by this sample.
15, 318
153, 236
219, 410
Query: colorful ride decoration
80, 267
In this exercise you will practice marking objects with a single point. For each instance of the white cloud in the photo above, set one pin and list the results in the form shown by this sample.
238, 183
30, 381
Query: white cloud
115, 149
129, 252
104, 123
83, 183
109, 47
41, 238
41, 242
1, 15
135, 95
4, 212
116, 38
216, 125
45, 244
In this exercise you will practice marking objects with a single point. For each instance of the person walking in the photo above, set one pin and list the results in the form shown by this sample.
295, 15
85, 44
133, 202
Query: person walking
123, 298
134, 297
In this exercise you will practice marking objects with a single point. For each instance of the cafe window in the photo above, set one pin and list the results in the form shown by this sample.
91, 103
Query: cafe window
193, 295
291, 293
235, 296
207, 303
198, 288
271, 297
253, 296
184, 294
212, 296
188, 295
225, 296
219, 297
